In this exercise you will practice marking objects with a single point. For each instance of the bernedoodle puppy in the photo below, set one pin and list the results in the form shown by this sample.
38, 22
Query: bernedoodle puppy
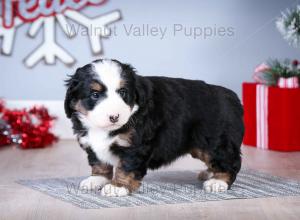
129, 123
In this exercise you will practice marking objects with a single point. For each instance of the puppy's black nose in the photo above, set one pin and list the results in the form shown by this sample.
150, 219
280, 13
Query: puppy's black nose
114, 118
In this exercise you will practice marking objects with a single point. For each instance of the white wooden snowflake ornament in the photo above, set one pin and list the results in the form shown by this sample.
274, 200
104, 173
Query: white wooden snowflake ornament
8, 36
45, 15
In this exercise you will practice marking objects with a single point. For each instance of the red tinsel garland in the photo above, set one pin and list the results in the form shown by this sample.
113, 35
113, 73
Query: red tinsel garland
26, 128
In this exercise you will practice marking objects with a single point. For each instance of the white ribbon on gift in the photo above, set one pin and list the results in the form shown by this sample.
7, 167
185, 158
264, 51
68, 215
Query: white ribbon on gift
262, 136
291, 82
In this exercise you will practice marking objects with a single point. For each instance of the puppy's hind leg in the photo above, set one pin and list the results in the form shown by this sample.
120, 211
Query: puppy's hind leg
204, 157
205, 175
223, 165
226, 163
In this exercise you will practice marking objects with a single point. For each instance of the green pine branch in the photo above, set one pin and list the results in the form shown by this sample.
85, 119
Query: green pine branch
277, 69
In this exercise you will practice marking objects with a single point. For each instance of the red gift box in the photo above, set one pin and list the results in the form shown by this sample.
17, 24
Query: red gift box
272, 117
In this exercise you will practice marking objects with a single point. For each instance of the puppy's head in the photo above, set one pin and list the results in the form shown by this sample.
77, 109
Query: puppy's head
102, 94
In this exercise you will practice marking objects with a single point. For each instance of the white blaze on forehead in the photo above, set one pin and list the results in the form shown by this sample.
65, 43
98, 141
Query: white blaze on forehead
109, 73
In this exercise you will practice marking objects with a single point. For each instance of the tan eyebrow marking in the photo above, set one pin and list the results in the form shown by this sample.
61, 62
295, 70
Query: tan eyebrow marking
96, 86
122, 83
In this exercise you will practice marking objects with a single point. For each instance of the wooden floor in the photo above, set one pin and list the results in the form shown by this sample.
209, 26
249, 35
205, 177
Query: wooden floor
67, 159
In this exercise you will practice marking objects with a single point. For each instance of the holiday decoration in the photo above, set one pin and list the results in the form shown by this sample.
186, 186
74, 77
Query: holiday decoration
289, 26
291, 82
271, 107
45, 14
284, 74
271, 116
27, 129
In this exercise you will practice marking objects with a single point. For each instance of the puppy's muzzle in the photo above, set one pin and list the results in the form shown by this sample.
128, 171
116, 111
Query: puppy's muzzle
114, 118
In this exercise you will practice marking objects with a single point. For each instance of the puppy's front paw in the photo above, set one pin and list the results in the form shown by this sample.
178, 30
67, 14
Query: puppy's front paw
215, 185
111, 190
93, 183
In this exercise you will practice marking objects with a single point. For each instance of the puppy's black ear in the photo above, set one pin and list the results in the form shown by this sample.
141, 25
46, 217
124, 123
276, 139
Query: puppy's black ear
71, 84
139, 87
142, 87
141, 90
74, 84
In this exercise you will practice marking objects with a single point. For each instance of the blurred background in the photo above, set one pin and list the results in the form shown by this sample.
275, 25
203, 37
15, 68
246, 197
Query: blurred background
226, 60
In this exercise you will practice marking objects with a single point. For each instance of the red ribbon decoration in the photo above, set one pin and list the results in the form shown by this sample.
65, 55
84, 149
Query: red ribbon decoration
26, 128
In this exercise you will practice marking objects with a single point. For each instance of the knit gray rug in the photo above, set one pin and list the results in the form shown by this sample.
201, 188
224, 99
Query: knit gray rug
167, 188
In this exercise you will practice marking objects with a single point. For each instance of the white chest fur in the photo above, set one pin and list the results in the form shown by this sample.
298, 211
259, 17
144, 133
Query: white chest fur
100, 142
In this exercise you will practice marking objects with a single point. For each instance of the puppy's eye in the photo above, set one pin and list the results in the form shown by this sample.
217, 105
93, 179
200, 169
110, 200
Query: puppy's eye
123, 93
95, 95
